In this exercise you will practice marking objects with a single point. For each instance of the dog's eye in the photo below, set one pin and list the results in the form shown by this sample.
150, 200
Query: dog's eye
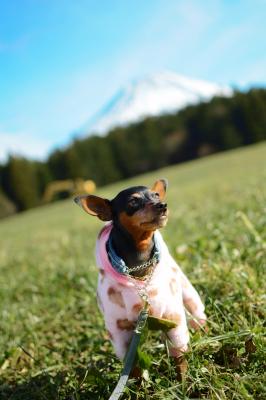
134, 202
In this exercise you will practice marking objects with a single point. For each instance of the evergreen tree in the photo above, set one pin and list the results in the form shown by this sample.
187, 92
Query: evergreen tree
20, 182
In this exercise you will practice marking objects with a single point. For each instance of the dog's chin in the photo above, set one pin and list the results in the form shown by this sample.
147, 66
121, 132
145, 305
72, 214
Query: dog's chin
158, 222
162, 221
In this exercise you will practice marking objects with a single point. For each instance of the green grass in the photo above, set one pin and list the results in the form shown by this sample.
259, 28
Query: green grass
52, 340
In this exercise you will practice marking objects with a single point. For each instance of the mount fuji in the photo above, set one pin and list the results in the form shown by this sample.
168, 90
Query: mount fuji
156, 94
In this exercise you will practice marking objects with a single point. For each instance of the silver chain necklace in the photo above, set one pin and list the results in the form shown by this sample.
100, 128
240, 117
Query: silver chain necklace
142, 288
140, 267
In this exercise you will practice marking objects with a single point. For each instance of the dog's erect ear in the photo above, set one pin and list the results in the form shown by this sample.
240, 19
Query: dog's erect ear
160, 187
96, 206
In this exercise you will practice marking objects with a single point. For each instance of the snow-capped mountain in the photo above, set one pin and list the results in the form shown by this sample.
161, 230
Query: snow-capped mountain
156, 94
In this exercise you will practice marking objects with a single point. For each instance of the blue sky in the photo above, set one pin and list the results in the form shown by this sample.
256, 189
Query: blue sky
60, 61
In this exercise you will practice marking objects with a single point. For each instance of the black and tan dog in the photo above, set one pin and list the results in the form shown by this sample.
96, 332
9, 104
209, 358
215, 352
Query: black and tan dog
133, 259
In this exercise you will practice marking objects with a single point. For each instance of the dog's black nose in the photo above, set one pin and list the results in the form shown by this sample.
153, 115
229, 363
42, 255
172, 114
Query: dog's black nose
161, 206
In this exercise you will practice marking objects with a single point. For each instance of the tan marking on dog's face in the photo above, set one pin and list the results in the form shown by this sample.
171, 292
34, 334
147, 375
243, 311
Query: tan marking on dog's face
175, 270
125, 324
190, 305
132, 222
172, 316
115, 297
146, 220
137, 195
141, 236
137, 308
153, 292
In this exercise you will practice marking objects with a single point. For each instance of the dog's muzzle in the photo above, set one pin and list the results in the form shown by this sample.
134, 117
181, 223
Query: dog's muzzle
162, 207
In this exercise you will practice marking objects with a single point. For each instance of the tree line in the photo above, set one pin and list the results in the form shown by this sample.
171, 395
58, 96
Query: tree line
220, 124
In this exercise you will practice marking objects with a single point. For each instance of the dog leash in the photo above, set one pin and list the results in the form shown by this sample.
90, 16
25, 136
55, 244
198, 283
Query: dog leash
131, 354
140, 325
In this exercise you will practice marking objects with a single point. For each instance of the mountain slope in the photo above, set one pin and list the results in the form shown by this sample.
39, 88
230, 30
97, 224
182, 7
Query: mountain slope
153, 95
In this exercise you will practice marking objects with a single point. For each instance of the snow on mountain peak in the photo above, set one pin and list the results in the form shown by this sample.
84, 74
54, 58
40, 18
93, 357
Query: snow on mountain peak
155, 94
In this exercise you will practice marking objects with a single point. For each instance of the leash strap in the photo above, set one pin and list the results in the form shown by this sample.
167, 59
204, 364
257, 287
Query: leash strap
130, 355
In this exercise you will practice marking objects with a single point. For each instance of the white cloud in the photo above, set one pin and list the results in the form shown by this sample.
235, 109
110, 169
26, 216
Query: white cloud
23, 144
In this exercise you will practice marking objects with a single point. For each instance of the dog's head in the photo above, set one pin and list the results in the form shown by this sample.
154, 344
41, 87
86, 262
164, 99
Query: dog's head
137, 207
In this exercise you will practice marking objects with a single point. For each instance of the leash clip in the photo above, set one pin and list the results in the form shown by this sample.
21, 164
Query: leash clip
142, 318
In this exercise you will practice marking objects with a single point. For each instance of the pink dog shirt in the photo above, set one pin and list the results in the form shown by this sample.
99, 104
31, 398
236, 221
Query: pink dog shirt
169, 291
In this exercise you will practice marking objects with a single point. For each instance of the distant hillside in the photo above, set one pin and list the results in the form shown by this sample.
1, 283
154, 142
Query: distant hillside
154, 95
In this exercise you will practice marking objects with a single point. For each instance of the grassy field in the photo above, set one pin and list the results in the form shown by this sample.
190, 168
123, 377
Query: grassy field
52, 340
